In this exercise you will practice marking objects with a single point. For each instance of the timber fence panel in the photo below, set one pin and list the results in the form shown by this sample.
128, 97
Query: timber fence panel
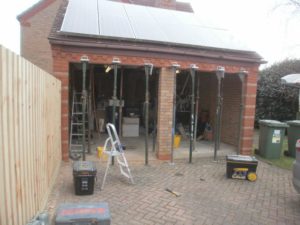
30, 140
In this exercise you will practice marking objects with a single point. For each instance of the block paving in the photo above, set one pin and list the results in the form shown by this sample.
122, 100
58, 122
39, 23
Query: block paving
207, 196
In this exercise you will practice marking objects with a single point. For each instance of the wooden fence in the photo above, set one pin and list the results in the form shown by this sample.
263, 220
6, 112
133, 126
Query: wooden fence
30, 137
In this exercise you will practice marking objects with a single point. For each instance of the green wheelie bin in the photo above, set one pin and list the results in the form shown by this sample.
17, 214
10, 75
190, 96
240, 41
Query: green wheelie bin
271, 134
293, 136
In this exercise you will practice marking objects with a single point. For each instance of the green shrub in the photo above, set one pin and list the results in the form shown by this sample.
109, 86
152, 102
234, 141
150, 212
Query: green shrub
274, 100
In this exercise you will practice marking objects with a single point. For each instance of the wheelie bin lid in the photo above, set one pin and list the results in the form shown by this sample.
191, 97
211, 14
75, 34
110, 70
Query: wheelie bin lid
273, 123
295, 123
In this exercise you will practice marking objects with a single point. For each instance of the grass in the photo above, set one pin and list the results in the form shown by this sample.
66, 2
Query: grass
283, 162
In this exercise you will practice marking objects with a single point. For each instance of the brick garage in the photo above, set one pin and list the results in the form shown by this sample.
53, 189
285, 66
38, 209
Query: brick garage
69, 49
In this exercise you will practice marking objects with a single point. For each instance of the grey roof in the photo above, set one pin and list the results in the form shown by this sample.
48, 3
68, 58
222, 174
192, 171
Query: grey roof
291, 80
114, 20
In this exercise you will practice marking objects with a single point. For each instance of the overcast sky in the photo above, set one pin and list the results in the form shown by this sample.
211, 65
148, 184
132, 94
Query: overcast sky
266, 26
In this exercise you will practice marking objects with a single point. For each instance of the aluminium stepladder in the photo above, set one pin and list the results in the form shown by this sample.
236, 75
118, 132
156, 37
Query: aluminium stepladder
76, 126
114, 148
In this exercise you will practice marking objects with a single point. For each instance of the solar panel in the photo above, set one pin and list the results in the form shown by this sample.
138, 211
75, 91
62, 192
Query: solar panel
187, 18
102, 18
114, 21
144, 24
81, 18
174, 29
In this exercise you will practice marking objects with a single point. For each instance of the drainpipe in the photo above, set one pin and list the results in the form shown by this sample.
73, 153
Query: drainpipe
84, 60
220, 76
115, 63
174, 67
242, 75
148, 71
193, 69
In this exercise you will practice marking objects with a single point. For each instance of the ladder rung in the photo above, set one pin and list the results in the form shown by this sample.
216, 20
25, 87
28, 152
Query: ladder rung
76, 145
79, 132
125, 174
79, 141
122, 164
75, 151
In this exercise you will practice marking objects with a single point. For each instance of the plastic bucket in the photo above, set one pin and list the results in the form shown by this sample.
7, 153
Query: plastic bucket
177, 140
101, 154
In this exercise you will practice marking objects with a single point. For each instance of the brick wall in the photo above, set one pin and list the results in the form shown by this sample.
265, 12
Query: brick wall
231, 109
213, 100
249, 113
231, 104
62, 58
35, 46
205, 92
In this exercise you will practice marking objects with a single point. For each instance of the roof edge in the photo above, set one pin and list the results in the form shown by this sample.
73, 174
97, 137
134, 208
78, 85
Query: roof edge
242, 56
177, 5
33, 10
163, 43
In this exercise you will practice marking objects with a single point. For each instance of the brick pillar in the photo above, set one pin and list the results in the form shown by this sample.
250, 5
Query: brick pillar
61, 71
249, 113
165, 114
65, 117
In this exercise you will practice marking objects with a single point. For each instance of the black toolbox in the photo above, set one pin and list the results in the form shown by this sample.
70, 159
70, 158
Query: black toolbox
83, 214
84, 175
241, 167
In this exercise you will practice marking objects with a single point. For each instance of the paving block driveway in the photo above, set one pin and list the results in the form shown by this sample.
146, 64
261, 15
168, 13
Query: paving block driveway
207, 196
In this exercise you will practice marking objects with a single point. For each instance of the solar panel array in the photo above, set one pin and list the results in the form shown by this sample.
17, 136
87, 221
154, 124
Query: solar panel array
102, 18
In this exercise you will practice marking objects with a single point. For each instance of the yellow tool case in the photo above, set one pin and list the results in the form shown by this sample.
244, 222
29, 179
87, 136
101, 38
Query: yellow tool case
241, 167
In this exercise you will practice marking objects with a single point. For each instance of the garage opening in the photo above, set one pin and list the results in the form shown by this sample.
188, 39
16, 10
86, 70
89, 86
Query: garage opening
206, 85
129, 112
